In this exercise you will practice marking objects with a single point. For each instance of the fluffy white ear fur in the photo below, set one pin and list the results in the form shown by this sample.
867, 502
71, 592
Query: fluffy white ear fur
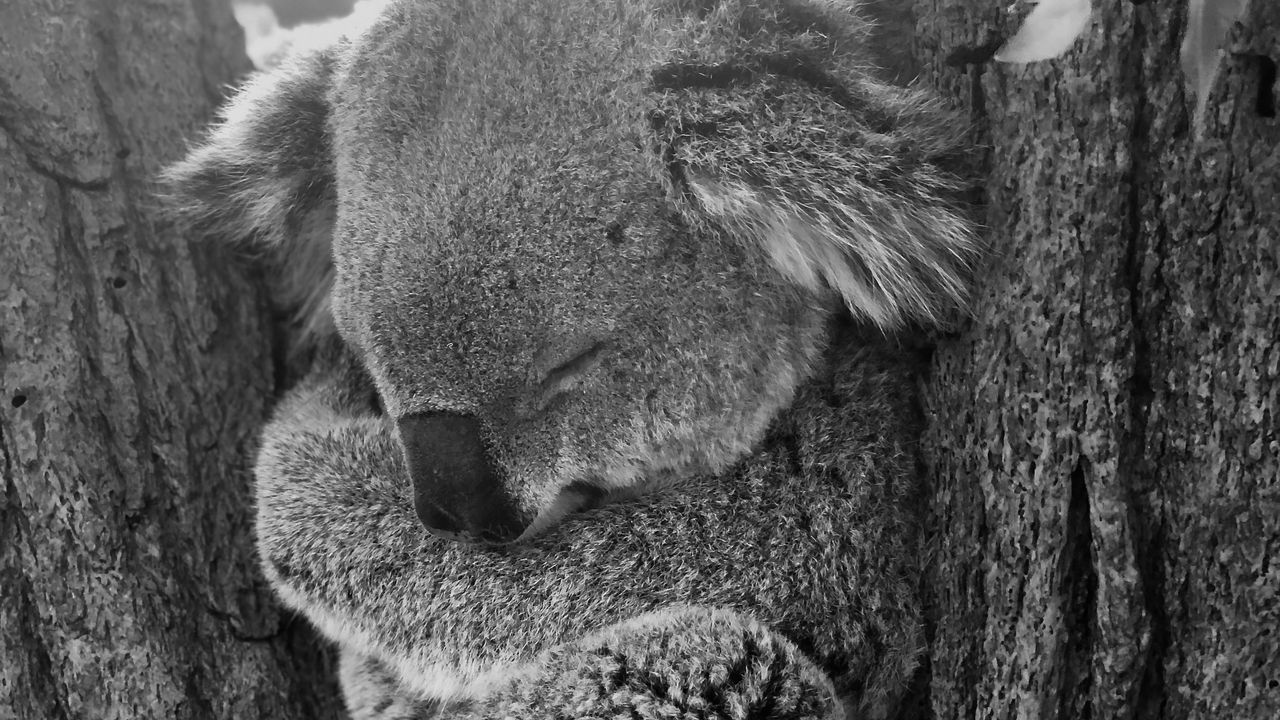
887, 258
263, 180
844, 182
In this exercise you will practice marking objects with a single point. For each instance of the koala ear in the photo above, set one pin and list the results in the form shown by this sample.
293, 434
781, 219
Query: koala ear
263, 179
842, 184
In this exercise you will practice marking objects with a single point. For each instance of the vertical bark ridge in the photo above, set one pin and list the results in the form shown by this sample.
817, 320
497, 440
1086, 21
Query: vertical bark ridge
1125, 351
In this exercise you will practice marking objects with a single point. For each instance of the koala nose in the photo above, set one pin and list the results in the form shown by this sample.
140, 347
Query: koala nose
456, 491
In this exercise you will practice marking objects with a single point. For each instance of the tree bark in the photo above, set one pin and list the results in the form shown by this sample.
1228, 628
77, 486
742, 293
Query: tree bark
1103, 449
135, 372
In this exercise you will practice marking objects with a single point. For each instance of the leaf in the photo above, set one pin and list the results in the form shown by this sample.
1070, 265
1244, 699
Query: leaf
1208, 23
1049, 31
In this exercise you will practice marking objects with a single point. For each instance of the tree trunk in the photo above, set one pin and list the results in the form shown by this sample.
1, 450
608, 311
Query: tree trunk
1103, 452
135, 373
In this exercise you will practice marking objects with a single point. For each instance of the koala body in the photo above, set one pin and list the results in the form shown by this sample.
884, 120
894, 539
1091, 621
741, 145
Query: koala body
556, 254
796, 568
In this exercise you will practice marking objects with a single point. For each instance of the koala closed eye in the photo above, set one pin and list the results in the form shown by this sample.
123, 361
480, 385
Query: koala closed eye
568, 374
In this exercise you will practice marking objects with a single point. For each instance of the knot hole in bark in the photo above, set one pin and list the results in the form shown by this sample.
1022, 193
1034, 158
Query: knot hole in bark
1266, 102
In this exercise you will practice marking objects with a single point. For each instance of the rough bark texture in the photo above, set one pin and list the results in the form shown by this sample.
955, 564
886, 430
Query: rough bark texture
134, 373
1104, 454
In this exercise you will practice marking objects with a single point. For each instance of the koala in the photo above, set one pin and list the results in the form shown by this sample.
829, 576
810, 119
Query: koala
606, 415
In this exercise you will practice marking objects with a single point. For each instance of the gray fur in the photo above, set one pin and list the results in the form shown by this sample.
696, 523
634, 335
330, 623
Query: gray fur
809, 537
467, 199
680, 662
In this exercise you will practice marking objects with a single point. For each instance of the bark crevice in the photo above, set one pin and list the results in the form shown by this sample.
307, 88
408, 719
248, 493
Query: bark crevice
1079, 593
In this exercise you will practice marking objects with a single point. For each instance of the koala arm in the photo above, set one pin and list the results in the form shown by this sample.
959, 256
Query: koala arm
678, 662
792, 551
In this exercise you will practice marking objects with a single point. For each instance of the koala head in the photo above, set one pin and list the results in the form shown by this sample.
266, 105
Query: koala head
584, 248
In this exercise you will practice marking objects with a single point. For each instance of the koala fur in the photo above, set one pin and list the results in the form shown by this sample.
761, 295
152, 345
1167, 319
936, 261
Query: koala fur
620, 243
800, 556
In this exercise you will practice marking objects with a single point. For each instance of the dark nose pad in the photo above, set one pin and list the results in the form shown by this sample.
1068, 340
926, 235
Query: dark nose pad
456, 491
